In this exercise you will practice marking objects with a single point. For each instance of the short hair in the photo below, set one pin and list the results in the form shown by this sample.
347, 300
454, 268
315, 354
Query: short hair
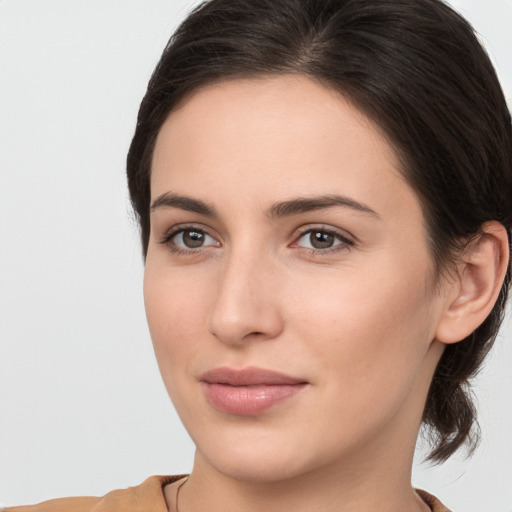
417, 69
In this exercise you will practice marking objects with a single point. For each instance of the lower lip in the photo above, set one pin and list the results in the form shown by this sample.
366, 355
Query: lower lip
249, 400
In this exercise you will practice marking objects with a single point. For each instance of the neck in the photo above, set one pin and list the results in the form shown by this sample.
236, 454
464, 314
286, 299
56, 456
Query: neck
355, 486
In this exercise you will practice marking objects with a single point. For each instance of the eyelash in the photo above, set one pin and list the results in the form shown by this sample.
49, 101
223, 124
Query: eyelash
167, 239
344, 242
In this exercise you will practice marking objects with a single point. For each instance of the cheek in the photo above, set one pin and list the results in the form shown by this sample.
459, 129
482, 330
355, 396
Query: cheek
367, 339
175, 314
368, 326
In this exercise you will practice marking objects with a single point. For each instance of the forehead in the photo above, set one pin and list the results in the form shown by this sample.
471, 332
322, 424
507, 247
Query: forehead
273, 137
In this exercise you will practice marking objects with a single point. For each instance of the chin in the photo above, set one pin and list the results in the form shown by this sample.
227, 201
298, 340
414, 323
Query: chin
257, 468
258, 457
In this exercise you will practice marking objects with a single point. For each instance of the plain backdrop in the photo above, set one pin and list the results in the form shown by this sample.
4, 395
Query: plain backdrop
82, 407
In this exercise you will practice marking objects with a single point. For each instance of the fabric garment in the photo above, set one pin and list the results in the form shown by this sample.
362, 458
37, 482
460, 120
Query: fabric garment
147, 497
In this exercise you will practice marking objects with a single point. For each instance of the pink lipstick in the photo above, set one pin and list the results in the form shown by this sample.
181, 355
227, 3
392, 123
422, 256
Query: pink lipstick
249, 391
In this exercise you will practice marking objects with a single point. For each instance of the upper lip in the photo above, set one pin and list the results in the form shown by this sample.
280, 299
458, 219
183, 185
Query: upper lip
250, 376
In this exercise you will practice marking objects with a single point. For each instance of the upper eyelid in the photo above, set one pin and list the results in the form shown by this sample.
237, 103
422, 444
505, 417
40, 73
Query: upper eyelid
177, 228
342, 233
168, 234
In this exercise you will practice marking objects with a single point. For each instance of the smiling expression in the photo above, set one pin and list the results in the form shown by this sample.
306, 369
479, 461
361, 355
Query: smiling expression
285, 241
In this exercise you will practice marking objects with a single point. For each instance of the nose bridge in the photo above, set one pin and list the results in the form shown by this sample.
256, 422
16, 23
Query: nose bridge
245, 302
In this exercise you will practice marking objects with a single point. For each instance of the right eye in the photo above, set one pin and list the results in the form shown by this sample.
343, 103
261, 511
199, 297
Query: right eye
189, 239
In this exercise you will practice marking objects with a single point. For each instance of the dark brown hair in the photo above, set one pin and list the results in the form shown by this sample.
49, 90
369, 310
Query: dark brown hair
417, 69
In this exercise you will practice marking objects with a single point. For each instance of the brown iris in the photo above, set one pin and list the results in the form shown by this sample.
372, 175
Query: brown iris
321, 240
192, 238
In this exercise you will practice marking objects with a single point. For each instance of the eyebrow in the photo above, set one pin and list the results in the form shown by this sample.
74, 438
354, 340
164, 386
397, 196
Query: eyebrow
306, 204
278, 210
170, 200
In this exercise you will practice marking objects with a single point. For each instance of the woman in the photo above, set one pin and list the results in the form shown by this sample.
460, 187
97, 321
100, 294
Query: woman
323, 191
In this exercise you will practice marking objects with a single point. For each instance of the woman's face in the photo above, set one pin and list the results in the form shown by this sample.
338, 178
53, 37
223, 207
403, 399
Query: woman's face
288, 286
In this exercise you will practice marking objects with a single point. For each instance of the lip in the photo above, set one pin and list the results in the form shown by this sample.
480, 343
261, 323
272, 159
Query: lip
248, 391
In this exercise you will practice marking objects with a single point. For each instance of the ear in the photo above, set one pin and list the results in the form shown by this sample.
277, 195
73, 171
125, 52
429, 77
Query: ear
475, 287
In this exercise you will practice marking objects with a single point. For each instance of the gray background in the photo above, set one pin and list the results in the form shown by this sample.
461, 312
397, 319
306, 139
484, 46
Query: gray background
82, 408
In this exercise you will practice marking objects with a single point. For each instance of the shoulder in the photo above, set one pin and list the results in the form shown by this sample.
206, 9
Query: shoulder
147, 497
434, 504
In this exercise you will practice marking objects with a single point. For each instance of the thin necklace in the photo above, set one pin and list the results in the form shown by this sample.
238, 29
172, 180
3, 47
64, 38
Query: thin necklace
178, 493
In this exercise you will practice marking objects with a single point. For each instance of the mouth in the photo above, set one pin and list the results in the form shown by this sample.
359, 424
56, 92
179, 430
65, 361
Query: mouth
249, 391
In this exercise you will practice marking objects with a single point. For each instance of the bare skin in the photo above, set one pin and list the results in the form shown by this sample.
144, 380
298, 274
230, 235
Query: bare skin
284, 237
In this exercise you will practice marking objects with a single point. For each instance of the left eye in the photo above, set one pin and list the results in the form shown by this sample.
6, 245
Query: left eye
192, 239
320, 239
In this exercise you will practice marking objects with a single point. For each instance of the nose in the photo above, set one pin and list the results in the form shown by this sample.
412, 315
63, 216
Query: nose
246, 305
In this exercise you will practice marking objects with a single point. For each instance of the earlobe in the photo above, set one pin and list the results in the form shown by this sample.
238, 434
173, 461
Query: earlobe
476, 285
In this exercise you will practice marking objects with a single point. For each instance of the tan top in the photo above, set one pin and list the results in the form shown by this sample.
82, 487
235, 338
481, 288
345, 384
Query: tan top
147, 497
